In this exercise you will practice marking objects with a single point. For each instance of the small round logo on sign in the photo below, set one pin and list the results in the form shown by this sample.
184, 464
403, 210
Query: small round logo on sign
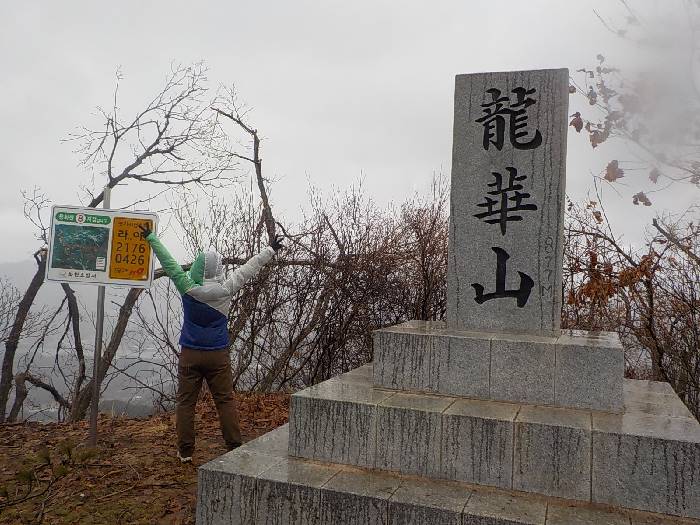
80, 218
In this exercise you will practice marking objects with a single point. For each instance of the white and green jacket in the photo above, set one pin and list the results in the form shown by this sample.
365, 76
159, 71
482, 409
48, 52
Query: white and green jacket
206, 296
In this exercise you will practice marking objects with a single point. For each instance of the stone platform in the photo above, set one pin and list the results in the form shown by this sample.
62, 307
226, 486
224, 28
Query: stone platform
647, 458
260, 484
574, 370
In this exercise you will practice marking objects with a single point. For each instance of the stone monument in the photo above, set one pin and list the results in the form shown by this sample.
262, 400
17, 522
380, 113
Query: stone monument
507, 202
496, 416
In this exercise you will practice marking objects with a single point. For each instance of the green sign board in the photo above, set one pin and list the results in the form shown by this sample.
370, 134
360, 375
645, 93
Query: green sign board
82, 218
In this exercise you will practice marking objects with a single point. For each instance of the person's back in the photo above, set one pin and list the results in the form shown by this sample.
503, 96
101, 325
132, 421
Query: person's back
204, 340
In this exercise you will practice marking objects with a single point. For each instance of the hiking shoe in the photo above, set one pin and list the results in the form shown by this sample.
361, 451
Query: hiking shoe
184, 459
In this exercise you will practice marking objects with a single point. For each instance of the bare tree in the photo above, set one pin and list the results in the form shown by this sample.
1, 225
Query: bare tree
20, 318
229, 106
9, 301
173, 142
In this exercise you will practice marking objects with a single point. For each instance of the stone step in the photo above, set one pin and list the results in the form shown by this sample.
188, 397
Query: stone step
647, 458
575, 370
259, 484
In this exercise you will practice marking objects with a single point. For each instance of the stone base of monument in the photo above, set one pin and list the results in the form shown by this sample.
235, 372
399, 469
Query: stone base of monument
354, 453
646, 458
576, 369
261, 483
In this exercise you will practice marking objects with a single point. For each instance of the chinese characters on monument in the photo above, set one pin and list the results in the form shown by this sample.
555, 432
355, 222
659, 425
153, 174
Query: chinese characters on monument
507, 202
503, 214
511, 198
494, 119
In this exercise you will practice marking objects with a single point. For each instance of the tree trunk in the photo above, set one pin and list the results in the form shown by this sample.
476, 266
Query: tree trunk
74, 313
17, 327
80, 405
20, 395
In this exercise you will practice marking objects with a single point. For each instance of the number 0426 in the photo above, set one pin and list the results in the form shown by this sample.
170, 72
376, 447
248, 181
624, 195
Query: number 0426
125, 258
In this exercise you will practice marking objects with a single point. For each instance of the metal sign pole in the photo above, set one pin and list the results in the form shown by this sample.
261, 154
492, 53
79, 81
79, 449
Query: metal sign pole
99, 325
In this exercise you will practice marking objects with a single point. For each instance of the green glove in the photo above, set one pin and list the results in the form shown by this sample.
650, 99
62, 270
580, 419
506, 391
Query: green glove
145, 230
276, 244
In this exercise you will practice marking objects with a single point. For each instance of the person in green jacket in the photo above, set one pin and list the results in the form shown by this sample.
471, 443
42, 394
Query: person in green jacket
206, 300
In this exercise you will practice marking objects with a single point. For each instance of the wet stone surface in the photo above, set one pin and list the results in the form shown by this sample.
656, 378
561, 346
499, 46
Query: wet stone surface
589, 371
477, 442
523, 370
408, 433
357, 497
553, 452
418, 501
575, 454
425, 361
336, 421
273, 488
647, 462
575, 370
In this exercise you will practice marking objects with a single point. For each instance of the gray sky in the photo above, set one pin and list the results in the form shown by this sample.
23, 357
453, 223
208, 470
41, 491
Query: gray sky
338, 88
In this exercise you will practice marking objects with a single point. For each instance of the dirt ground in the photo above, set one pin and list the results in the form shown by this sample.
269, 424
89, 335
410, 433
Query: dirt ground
48, 475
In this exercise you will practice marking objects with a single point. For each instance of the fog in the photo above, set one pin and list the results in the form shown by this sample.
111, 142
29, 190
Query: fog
339, 91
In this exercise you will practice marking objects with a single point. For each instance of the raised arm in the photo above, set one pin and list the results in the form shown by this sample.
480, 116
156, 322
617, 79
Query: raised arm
244, 273
196, 272
172, 269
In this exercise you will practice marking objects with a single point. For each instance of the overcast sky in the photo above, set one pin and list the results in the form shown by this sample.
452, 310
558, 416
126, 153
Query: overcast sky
339, 89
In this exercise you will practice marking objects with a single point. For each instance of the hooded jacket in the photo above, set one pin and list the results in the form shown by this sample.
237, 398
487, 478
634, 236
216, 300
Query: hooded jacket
206, 296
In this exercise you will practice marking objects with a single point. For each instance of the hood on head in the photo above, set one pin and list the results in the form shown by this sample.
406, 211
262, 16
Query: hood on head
213, 269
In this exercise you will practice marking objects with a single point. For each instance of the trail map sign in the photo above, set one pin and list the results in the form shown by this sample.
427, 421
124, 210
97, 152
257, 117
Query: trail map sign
97, 246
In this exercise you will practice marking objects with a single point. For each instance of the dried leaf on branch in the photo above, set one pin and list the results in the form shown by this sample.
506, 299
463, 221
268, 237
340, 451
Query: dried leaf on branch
640, 198
654, 175
613, 171
577, 122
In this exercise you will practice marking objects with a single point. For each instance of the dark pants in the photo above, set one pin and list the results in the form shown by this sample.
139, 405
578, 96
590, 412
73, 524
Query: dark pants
215, 367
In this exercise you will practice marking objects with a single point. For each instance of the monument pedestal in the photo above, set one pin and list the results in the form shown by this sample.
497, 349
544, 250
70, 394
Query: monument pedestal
354, 453
576, 369
646, 457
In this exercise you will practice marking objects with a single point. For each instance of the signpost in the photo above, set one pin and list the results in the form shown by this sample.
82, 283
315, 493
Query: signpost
103, 247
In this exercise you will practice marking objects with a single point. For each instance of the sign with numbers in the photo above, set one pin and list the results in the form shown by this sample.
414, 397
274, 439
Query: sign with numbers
97, 246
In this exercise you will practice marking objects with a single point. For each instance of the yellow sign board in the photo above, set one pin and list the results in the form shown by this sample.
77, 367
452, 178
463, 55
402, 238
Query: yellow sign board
130, 256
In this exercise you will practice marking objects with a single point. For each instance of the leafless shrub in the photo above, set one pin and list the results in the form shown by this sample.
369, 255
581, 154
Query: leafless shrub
649, 295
